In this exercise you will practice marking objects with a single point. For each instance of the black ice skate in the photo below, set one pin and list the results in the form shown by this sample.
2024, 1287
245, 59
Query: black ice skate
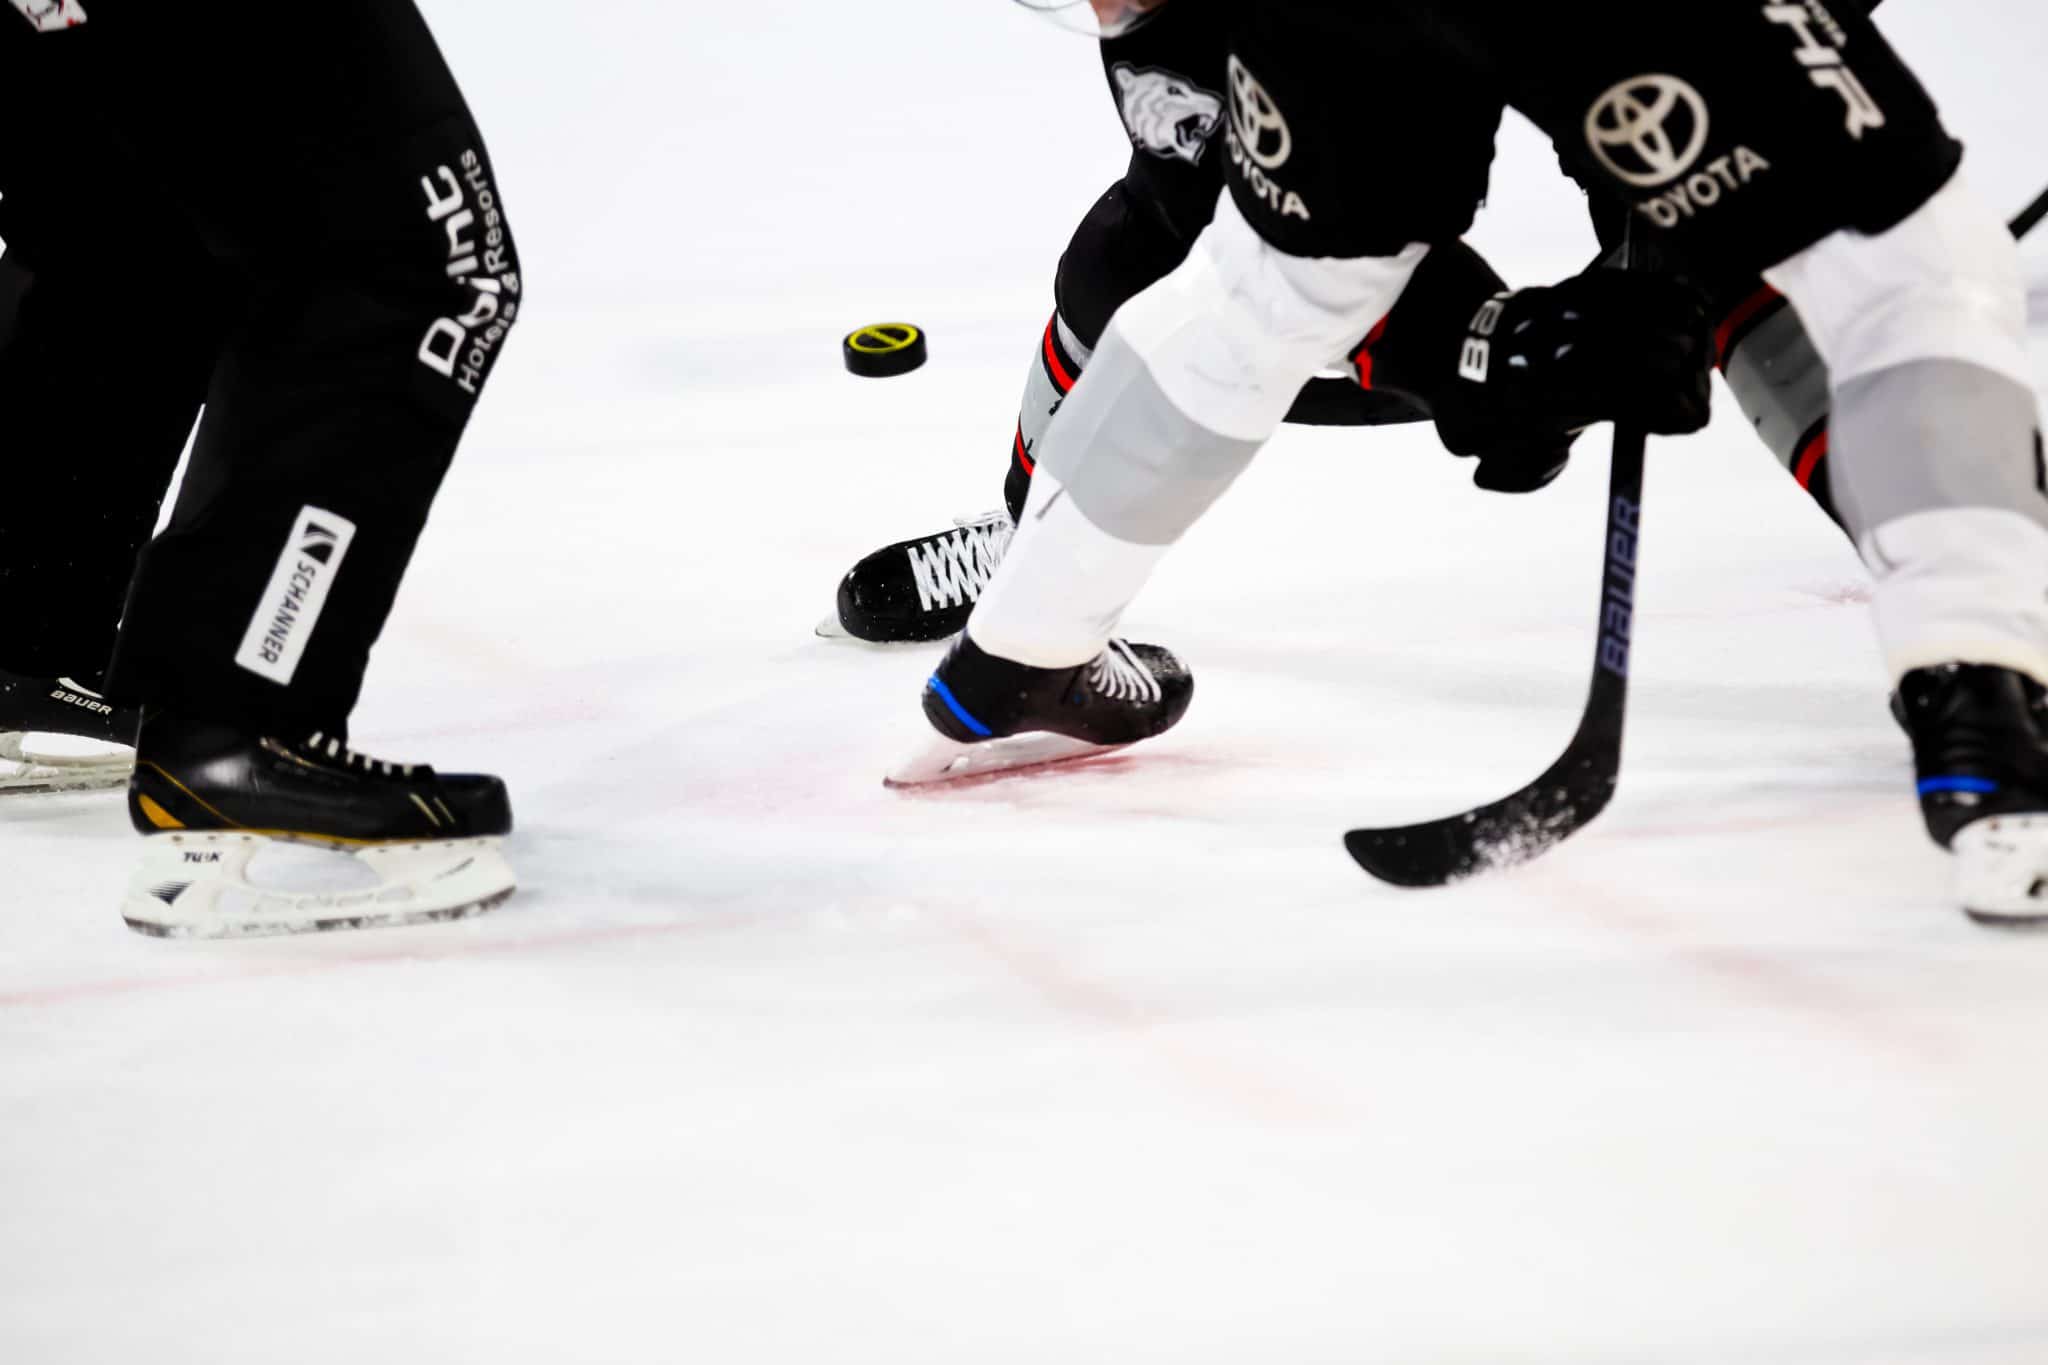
918, 590
256, 835
1982, 755
67, 711
994, 716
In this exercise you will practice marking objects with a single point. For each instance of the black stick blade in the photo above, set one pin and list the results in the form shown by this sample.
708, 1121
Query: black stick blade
2031, 217
1508, 833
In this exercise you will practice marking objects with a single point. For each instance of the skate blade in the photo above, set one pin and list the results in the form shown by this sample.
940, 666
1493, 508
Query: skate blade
946, 760
25, 770
191, 885
2002, 870
830, 629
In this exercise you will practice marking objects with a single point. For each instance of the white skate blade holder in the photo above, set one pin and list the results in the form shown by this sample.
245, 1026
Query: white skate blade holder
232, 885
2002, 870
946, 760
60, 763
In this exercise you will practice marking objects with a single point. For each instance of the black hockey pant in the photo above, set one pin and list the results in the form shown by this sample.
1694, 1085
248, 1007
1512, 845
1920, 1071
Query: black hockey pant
286, 214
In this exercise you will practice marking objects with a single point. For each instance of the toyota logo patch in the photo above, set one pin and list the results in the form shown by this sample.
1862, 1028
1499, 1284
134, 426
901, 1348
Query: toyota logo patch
1649, 130
1261, 130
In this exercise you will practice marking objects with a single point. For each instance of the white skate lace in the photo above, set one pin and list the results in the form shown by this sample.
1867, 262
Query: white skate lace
952, 569
335, 751
1122, 676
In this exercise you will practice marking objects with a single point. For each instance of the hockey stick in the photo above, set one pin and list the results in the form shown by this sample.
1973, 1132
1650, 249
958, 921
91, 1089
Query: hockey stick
1579, 785
2031, 217
1576, 788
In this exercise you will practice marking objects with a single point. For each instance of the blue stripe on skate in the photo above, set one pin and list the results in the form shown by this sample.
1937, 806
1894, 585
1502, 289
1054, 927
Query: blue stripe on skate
953, 705
1982, 786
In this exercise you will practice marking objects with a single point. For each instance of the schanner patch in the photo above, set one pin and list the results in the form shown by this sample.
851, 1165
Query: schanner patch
48, 16
297, 594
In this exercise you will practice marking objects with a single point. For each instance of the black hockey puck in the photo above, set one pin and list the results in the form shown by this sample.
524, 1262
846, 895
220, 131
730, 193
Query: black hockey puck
884, 350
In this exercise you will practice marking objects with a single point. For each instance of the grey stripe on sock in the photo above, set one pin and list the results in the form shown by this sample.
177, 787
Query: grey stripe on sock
1780, 382
1132, 462
1930, 435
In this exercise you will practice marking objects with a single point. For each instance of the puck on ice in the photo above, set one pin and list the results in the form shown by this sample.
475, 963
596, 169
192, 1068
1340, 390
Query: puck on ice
884, 350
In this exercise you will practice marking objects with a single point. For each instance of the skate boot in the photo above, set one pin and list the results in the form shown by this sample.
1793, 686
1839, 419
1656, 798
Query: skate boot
249, 834
993, 715
94, 737
918, 590
1981, 751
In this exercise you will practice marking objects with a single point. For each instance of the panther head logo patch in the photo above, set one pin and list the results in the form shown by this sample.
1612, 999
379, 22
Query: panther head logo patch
1167, 115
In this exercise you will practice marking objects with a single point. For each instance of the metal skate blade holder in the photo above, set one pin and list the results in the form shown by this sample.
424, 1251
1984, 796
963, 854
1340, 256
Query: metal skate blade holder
229, 885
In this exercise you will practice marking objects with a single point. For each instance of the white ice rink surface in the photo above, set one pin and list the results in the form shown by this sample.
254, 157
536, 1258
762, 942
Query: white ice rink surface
1130, 1064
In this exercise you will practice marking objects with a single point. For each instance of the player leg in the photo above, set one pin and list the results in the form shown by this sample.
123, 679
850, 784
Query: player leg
1169, 82
1790, 140
364, 214
96, 413
1190, 379
1938, 473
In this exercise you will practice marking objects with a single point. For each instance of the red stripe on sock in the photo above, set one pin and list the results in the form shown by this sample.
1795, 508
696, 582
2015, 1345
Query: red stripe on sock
1063, 381
1023, 455
1810, 458
1740, 318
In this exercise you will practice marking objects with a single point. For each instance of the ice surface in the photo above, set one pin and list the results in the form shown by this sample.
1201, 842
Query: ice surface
766, 1064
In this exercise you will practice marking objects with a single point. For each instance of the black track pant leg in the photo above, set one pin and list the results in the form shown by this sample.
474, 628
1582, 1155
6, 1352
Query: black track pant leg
103, 366
382, 282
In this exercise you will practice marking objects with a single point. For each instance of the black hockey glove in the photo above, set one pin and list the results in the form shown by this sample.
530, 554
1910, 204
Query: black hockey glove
1519, 457
1416, 353
1605, 346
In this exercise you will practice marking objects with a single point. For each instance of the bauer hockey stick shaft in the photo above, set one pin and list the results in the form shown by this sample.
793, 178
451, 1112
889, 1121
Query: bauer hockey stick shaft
2030, 217
1576, 788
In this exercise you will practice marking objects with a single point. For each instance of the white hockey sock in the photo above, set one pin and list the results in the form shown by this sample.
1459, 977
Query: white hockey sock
1961, 585
1933, 461
1063, 586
